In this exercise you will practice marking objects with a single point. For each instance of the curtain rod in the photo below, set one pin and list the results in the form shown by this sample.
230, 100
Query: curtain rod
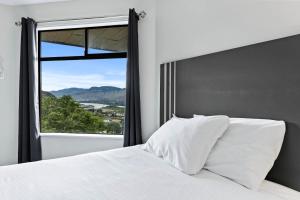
142, 15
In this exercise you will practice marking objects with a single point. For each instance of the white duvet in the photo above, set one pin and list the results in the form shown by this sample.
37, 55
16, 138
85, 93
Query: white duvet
121, 174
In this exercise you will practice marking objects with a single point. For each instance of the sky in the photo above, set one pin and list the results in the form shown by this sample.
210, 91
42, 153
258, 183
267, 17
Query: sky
58, 75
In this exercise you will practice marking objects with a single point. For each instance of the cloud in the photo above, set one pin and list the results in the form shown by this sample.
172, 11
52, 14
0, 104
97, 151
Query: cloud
52, 81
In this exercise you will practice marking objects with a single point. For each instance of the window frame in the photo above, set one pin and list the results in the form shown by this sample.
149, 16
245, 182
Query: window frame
86, 56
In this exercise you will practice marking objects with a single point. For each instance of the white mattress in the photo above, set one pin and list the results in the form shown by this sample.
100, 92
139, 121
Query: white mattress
121, 174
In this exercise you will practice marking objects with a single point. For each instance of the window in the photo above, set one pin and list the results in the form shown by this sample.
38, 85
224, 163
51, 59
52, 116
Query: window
82, 80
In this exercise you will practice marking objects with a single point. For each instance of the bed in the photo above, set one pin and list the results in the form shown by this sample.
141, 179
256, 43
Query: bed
129, 173
257, 81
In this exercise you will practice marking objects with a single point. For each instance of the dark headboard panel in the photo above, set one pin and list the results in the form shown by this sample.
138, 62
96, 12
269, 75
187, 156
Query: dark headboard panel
256, 81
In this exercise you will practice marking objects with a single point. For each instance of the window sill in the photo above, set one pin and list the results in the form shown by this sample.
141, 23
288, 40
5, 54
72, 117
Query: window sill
56, 145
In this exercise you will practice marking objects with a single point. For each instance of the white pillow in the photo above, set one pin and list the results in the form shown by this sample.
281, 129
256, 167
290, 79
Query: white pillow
247, 150
186, 143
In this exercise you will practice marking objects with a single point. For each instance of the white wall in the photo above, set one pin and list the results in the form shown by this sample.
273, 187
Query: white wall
61, 145
196, 27
173, 29
9, 42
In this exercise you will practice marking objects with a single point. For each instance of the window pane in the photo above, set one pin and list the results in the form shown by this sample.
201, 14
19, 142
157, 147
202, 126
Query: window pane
107, 40
63, 43
83, 96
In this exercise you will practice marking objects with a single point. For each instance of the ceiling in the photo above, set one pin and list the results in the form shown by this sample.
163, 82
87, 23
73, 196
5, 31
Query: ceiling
24, 2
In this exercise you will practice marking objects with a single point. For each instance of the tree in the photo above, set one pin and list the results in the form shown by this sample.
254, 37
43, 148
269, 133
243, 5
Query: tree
113, 128
64, 115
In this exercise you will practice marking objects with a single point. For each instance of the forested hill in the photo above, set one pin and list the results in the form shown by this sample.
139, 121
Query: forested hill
104, 95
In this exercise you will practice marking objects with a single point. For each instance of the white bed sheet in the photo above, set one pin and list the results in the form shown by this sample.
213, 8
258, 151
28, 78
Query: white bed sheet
121, 174
279, 191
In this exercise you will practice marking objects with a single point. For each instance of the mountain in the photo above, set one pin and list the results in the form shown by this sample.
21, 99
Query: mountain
105, 95
67, 91
47, 94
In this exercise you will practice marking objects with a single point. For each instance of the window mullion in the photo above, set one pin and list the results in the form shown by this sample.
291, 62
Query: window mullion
86, 46
87, 57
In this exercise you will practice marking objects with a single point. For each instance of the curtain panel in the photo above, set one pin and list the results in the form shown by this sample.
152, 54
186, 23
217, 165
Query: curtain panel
133, 130
29, 148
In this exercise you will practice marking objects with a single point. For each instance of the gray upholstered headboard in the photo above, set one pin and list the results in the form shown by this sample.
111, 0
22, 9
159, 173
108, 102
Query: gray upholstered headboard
256, 81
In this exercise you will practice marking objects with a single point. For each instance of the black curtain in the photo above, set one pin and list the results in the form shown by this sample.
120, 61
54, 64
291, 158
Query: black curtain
29, 139
133, 130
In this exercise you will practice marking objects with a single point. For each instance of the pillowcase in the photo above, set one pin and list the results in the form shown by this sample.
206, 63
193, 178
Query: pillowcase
247, 151
186, 143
